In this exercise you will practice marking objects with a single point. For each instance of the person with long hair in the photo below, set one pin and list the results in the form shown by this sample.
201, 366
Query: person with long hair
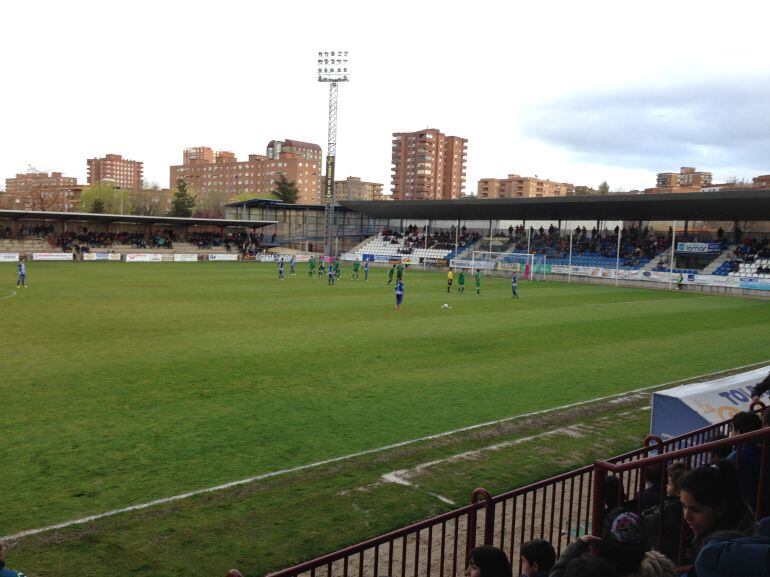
486, 561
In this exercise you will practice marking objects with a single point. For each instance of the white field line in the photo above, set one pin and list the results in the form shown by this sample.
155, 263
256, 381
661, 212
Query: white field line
402, 476
638, 302
10, 296
305, 467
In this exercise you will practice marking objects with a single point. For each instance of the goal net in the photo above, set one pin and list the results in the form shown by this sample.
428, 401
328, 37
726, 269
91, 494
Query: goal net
528, 266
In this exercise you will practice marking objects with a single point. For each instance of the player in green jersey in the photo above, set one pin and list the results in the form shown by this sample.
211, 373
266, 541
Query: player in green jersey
461, 282
311, 270
477, 276
391, 272
356, 266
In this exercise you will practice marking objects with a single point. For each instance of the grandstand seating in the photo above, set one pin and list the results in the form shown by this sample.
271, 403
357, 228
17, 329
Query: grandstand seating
746, 269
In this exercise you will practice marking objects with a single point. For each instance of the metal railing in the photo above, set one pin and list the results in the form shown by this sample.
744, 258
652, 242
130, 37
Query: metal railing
559, 509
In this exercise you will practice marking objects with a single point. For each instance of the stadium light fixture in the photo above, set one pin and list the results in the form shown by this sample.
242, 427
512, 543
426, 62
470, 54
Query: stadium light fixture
333, 66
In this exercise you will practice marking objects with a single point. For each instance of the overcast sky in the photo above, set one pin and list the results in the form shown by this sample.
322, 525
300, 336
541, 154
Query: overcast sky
572, 91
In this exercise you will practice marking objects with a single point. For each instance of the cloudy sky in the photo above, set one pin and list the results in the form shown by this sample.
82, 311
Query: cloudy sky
573, 91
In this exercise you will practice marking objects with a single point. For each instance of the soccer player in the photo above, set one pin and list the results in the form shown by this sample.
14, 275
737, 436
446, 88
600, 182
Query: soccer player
22, 280
356, 266
280, 269
337, 268
292, 264
400, 272
366, 270
515, 285
477, 276
311, 270
461, 282
679, 282
399, 293
391, 272
449, 278
320, 267
331, 274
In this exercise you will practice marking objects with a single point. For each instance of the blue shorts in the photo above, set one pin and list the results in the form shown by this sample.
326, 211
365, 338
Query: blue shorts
399, 299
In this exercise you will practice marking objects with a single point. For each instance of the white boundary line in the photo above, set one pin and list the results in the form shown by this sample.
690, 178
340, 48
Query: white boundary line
307, 466
10, 296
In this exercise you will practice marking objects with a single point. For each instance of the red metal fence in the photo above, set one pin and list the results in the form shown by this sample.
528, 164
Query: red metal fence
559, 509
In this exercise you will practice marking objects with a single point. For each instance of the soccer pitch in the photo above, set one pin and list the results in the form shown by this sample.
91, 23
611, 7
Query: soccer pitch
125, 383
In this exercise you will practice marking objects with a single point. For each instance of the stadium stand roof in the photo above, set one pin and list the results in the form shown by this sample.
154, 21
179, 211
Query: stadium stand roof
732, 205
37, 215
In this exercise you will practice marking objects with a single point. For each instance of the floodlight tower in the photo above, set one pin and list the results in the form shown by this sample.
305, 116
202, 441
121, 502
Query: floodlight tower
333, 68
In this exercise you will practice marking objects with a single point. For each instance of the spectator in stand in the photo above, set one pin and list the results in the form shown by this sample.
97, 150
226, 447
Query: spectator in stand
747, 457
620, 551
760, 388
671, 524
537, 558
731, 554
486, 561
3, 571
712, 501
650, 495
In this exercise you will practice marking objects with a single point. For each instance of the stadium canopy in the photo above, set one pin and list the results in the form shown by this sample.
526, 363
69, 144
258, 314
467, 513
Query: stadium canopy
38, 215
731, 205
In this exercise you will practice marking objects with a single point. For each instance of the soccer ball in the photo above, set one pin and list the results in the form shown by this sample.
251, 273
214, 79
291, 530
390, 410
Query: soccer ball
445, 306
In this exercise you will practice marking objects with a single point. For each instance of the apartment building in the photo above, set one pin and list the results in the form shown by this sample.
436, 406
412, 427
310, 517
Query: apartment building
353, 188
428, 165
42, 191
219, 176
115, 169
686, 180
516, 186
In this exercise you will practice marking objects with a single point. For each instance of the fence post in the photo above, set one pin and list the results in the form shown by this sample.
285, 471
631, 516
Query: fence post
600, 473
489, 520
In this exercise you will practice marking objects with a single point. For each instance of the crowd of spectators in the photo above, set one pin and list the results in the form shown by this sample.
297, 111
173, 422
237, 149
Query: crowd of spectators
413, 238
85, 240
37, 231
635, 244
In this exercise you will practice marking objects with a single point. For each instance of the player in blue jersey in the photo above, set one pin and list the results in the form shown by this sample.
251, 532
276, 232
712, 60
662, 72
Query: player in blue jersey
399, 294
332, 274
514, 285
280, 269
22, 280
292, 264
366, 270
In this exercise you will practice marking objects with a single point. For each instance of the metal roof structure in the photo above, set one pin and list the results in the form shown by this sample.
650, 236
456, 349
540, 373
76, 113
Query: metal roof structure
38, 215
729, 205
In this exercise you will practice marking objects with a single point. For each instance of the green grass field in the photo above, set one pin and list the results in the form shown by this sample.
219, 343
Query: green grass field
125, 383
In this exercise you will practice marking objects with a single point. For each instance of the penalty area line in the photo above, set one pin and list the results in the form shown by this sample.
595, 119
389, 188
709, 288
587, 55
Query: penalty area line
307, 466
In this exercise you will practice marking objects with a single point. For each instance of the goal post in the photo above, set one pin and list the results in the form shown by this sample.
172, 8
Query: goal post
528, 266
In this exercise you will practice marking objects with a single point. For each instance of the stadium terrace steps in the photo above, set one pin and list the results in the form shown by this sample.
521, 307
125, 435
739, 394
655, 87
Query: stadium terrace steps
723, 257
379, 247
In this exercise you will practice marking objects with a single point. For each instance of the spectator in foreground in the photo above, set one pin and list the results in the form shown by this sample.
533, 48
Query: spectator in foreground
537, 558
621, 552
760, 388
671, 525
712, 501
731, 554
3, 571
486, 561
747, 456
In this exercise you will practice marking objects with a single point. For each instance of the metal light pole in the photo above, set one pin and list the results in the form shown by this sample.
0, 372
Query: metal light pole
332, 67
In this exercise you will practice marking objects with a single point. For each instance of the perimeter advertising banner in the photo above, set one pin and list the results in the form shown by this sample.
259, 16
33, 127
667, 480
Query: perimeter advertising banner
185, 258
9, 256
101, 256
223, 257
688, 407
698, 247
144, 257
52, 256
